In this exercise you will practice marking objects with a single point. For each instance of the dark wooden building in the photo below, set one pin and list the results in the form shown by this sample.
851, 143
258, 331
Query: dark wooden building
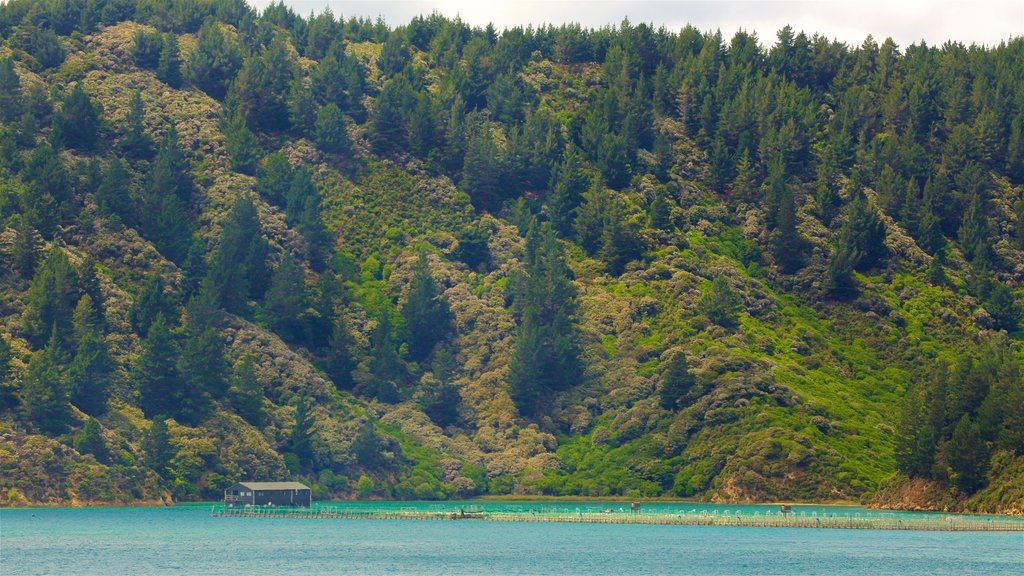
268, 494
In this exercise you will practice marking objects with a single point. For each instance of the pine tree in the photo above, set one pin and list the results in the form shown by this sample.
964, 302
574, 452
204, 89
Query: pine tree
720, 303
482, 170
168, 69
440, 402
202, 374
25, 251
155, 371
974, 230
331, 133
338, 362
153, 301
239, 266
275, 178
215, 60
91, 371
242, 145
10, 91
659, 213
841, 283
286, 301
967, 456
788, 244
427, 315
915, 437
114, 196
247, 392
51, 298
44, 389
864, 233
567, 188
1002, 305
137, 144
676, 382
546, 354
302, 109
90, 441
157, 446
77, 123
387, 129
300, 441
385, 365
146, 49
8, 391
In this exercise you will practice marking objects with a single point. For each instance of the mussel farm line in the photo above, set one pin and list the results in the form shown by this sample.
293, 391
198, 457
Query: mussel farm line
867, 522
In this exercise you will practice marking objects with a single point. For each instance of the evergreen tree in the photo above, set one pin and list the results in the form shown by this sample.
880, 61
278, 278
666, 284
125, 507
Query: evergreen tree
114, 196
482, 170
168, 69
974, 230
302, 109
153, 301
546, 354
675, 383
440, 402
744, 186
215, 60
385, 366
300, 441
89, 285
90, 441
915, 437
864, 234
1003, 307
137, 144
659, 213
338, 362
841, 283
720, 303
155, 371
387, 129
25, 251
242, 145
238, 269
286, 301
77, 123
275, 178
146, 49
157, 446
331, 134
567, 188
247, 392
967, 456
427, 315
51, 298
202, 374
788, 244
92, 369
10, 91
44, 389
394, 54
621, 242
8, 391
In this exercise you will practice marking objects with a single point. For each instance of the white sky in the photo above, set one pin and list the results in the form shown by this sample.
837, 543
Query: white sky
984, 22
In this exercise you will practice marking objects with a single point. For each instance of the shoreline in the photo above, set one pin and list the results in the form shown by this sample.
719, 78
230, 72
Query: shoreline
505, 498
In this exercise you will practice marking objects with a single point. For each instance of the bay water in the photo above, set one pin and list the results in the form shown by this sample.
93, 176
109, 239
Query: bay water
186, 539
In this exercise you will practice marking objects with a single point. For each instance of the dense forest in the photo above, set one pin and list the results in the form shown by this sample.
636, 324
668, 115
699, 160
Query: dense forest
436, 260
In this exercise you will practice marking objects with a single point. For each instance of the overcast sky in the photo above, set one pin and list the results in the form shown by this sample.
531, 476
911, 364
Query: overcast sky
905, 21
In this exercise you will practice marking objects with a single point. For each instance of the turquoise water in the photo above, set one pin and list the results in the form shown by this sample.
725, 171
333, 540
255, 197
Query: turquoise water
187, 540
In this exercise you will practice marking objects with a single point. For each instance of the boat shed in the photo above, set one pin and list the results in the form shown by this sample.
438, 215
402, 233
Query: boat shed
268, 494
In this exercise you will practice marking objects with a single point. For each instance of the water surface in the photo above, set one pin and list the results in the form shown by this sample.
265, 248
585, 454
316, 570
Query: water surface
187, 540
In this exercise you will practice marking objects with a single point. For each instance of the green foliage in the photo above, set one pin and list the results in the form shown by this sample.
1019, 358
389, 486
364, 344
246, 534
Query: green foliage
215, 60
246, 392
300, 440
157, 446
44, 389
428, 318
243, 146
10, 91
286, 301
168, 69
51, 299
147, 48
238, 269
91, 373
720, 303
546, 356
155, 371
676, 382
77, 123
90, 441
331, 132
114, 196
968, 457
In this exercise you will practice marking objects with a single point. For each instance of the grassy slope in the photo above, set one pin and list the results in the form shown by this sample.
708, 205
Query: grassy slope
798, 401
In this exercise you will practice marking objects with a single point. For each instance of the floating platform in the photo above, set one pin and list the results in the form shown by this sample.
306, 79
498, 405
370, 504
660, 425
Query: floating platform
882, 521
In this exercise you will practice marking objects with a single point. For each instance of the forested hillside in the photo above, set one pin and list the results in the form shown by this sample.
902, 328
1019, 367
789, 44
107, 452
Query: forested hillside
432, 261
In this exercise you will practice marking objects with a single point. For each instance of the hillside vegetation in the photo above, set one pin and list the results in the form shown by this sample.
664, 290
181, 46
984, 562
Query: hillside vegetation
438, 261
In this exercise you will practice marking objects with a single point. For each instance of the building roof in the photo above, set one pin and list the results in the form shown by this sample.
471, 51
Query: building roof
274, 485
